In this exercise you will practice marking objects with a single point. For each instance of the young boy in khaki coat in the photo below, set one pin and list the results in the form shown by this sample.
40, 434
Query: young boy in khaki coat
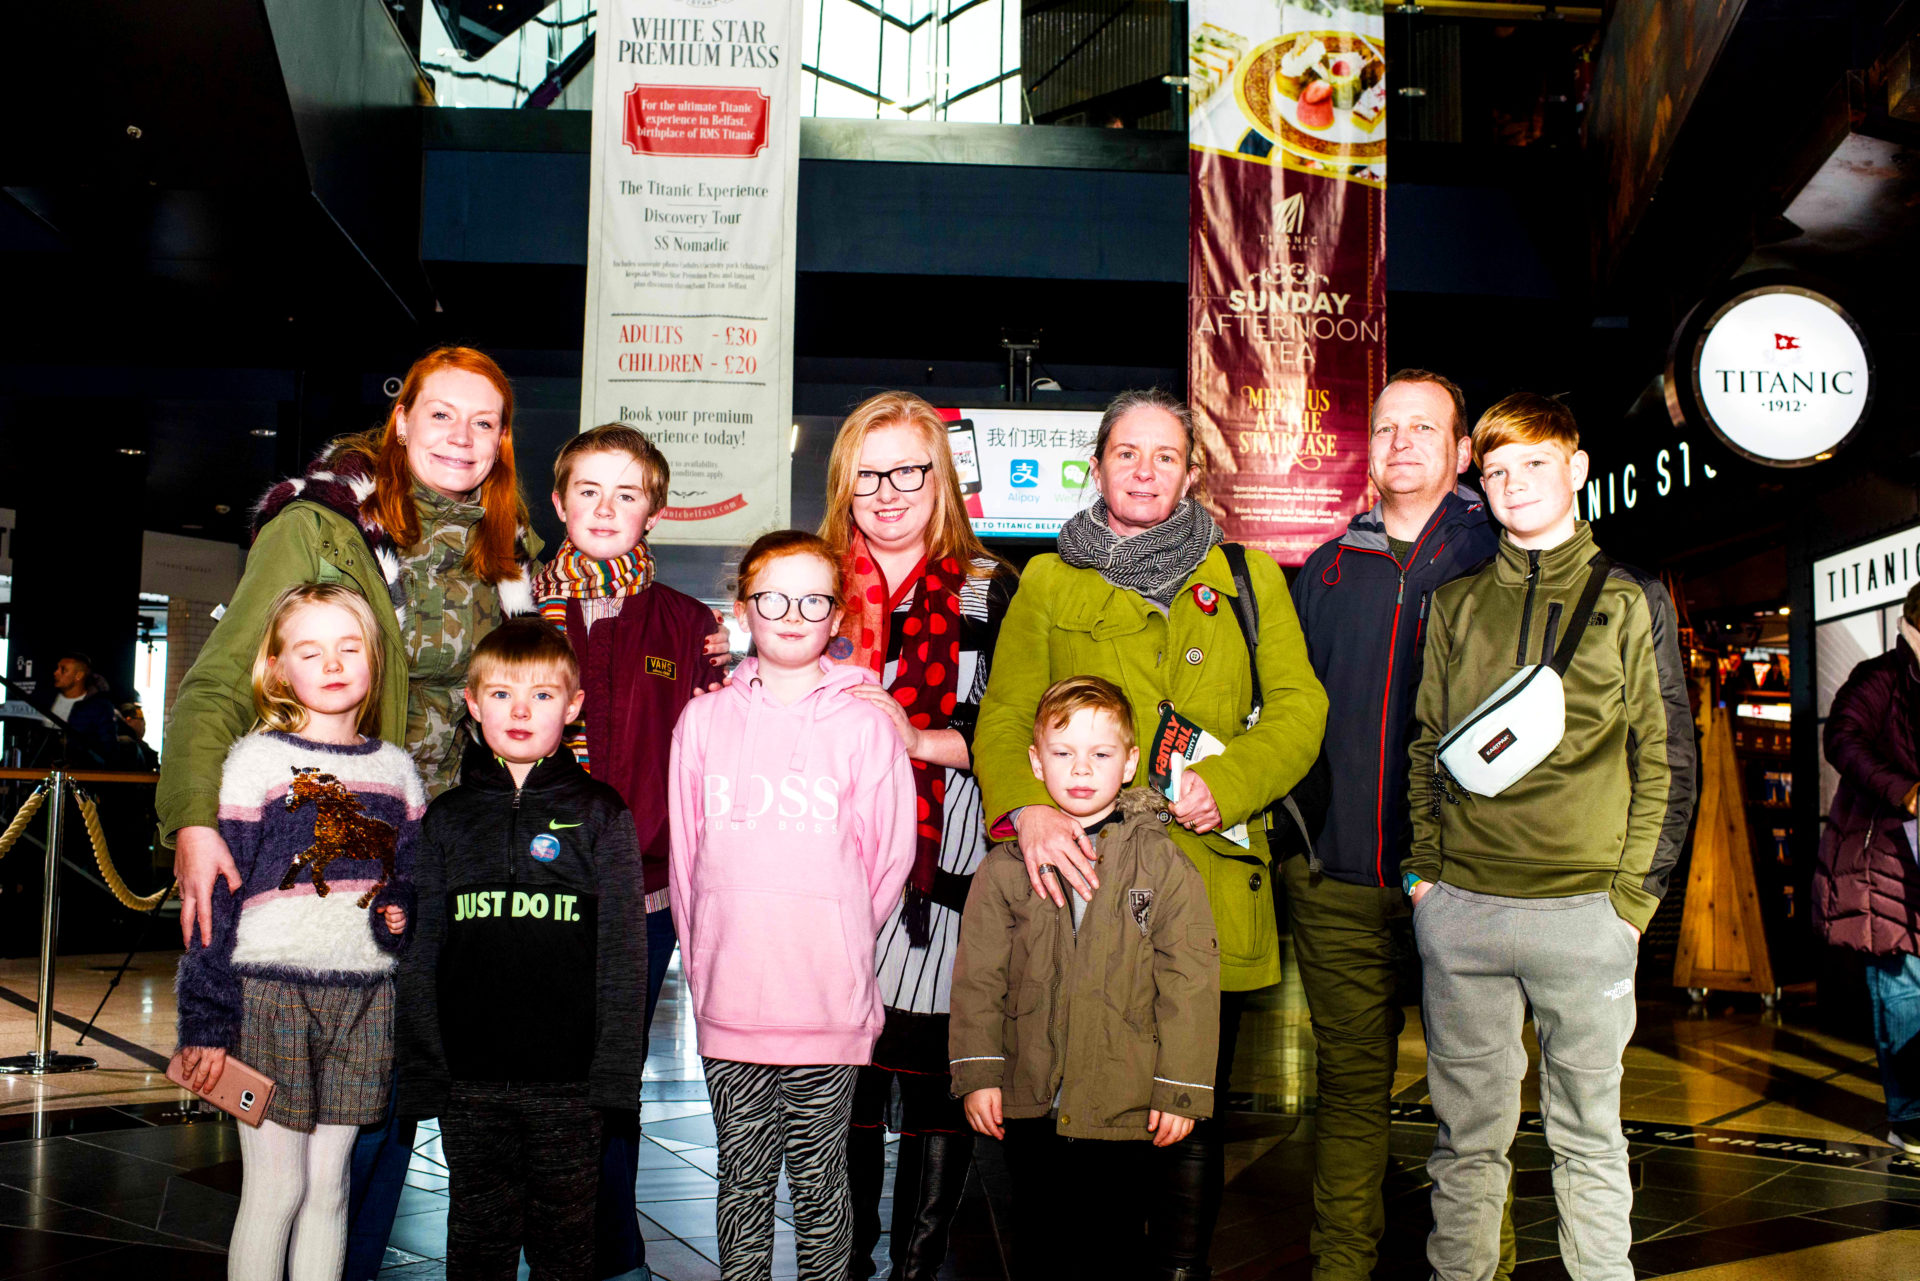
1077, 1032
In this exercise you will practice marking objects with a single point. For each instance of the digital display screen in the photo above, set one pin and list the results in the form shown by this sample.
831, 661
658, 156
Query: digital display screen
1024, 471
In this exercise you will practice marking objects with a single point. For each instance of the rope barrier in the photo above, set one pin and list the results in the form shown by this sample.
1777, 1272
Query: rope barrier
90, 816
20, 820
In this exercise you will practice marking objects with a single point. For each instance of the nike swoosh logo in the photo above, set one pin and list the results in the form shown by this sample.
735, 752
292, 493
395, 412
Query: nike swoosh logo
555, 825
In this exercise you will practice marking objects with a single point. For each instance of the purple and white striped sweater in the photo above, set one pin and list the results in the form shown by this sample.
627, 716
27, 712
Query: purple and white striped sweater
323, 836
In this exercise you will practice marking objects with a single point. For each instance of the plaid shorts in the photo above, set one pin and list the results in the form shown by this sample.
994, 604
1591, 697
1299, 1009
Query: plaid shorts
328, 1049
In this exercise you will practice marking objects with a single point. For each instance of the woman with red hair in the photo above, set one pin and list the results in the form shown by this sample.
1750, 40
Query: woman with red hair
424, 518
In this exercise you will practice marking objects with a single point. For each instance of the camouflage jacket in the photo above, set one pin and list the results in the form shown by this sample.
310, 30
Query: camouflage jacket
449, 612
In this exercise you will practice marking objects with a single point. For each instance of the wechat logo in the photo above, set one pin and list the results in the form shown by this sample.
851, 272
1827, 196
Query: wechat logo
1073, 473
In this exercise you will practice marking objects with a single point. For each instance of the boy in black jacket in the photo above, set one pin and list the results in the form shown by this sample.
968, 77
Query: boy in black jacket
520, 1003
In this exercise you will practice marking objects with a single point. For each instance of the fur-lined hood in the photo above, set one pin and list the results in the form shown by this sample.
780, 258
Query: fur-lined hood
341, 480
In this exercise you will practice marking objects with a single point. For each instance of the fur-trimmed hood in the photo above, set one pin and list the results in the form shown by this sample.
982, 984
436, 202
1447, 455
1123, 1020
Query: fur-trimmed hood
341, 480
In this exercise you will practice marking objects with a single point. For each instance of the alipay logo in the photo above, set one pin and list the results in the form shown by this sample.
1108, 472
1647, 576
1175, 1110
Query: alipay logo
1024, 473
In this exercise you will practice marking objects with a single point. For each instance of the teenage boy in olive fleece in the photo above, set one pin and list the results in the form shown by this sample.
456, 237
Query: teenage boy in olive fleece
1537, 897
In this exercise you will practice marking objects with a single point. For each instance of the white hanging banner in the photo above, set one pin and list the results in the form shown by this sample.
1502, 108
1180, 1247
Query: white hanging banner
690, 261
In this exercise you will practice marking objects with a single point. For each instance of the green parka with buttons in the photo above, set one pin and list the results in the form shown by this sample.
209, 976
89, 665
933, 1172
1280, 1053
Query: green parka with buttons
1120, 1019
1072, 622
305, 543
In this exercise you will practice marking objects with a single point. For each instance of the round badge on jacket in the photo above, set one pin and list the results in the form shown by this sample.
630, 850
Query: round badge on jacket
545, 847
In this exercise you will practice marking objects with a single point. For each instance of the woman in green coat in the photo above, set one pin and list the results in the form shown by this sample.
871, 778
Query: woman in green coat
1140, 593
424, 518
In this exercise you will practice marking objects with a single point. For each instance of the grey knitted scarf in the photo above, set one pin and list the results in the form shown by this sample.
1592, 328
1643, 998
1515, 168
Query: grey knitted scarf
1154, 563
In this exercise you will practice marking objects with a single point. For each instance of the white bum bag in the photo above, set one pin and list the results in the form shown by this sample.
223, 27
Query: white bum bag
1518, 725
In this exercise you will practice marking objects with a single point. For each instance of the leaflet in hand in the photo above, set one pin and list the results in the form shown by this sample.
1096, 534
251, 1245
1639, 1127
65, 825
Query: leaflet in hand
1177, 743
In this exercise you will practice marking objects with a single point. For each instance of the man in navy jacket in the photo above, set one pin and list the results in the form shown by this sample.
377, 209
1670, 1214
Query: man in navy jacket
1362, 601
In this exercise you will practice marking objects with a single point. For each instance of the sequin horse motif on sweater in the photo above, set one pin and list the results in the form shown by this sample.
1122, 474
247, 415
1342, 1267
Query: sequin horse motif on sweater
341, 829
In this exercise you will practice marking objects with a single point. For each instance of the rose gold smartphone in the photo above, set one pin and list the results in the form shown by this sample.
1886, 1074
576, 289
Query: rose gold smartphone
240, 1092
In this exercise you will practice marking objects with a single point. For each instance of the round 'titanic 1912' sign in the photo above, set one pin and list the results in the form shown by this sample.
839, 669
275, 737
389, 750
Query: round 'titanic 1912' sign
1782, 375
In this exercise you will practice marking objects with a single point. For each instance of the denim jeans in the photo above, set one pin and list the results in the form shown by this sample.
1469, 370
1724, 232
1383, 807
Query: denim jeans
660, 940
381, 1156
618, 1245
1893, 984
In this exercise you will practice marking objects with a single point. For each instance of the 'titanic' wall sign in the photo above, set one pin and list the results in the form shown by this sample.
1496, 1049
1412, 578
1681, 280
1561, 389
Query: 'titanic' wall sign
1877, 573
1780, 373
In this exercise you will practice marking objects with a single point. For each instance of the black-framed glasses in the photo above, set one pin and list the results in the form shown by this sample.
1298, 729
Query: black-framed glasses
903, 479
773, 606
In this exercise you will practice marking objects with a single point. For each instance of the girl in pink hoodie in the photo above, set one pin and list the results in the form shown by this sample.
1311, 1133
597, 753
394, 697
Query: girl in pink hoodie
792, 816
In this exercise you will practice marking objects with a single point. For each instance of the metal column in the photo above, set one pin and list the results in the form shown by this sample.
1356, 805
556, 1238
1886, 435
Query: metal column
43, 1061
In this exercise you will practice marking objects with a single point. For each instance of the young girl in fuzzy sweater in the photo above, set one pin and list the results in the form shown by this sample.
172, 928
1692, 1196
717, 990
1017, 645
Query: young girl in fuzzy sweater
791, 808
321, 817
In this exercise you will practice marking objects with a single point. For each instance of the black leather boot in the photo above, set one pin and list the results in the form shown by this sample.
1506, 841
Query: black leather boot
932, 1173
866, 1175
1185, 1204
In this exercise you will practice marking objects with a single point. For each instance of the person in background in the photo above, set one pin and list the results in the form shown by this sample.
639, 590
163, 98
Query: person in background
424, 519
1534, 899
1138, 595
134, 752
1362, 600
83, 699
924, 604
1866, 886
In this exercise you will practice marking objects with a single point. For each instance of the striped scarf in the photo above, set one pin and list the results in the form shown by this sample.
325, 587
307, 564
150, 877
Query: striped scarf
1153, 563
574, 575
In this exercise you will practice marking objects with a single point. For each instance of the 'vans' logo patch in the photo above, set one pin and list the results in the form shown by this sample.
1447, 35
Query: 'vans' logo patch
1497, 744
660, 667
1140, 903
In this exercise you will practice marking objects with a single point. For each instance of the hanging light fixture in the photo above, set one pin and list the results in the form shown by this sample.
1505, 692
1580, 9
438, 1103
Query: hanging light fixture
1413, 88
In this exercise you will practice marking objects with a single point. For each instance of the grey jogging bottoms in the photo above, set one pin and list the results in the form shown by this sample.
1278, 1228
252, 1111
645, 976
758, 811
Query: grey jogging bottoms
1486, 959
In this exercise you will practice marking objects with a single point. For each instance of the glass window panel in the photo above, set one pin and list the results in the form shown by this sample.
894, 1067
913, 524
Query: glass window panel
901, 80
508, 72
973, 50
850, 42
979, 108
836, 101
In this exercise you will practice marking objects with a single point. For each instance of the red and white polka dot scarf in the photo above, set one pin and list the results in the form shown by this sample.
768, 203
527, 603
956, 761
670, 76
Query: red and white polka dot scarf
924, 683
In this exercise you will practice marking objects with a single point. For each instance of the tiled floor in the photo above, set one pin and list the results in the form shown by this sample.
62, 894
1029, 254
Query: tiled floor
1756, 1154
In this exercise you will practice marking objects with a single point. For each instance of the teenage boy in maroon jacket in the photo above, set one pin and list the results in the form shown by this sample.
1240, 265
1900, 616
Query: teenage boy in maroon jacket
643, 651
1362, 601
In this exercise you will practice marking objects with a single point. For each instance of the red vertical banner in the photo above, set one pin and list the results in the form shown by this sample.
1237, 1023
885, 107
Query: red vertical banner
1287, 257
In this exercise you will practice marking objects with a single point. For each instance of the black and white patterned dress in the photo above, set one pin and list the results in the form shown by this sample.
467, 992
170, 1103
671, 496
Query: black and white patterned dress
917, 980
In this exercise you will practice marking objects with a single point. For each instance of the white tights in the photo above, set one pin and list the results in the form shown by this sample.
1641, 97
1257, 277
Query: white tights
293, 1203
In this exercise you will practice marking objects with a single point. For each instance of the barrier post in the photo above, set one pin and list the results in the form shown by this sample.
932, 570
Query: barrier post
43, 1061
